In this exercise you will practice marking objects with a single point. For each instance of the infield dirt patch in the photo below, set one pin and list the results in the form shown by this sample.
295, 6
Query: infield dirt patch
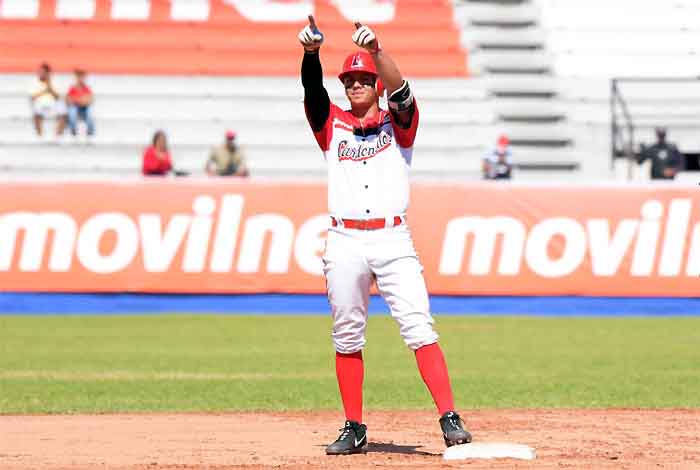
564, 439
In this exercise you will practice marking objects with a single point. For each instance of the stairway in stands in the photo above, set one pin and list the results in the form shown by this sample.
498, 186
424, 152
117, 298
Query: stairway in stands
508, 51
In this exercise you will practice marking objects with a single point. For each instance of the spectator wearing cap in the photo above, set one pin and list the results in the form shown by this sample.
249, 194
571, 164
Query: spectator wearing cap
666, 160
498, 163
227, 159
79, 100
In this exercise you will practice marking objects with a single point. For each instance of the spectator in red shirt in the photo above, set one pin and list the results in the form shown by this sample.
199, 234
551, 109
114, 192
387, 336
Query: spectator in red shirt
79, 100
156, 158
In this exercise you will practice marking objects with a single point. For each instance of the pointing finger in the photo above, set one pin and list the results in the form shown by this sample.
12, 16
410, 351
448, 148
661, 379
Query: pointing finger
358, 25
312, 22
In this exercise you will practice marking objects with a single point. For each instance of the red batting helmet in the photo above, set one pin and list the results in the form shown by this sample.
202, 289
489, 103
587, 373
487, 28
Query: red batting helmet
359, 61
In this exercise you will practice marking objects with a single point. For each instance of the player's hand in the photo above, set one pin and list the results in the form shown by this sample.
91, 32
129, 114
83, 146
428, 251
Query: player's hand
365, 38
310, 37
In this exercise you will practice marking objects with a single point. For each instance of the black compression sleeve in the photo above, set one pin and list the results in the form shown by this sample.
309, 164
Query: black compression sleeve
318, 104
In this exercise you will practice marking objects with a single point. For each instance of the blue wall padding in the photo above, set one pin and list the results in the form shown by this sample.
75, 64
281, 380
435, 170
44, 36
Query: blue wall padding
279, 304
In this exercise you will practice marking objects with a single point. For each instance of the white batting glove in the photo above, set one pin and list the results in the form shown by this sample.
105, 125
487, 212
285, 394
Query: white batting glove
310, 37
365, 38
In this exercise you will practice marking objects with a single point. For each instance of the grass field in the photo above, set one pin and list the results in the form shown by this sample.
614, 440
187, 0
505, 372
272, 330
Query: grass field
71, 364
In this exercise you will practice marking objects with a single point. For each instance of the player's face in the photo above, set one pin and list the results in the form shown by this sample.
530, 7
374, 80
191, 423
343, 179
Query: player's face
360, 88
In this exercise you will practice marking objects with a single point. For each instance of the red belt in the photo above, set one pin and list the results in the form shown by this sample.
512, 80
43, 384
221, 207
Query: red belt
366, 224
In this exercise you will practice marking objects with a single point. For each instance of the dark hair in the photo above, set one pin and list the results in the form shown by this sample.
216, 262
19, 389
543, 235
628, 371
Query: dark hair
45, 66
157, 134
79, 71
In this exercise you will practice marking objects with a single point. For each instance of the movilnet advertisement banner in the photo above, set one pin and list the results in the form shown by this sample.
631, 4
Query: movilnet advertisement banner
204, 236
221, 37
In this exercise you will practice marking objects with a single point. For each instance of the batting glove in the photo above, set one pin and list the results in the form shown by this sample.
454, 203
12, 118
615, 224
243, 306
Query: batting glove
310, 37
365, 38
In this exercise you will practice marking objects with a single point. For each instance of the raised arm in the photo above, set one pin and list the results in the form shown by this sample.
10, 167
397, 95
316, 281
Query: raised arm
399, 95
316, 99
387, 69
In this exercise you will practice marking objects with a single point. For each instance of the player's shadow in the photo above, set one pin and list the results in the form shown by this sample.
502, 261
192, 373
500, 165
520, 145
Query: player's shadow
390, 448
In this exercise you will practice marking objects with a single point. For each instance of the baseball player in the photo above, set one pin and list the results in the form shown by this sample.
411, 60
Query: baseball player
368, 151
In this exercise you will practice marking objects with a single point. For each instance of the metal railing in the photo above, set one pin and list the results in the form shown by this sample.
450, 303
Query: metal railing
624, 131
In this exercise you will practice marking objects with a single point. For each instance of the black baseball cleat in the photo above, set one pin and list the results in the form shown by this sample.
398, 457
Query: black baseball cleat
452, 430
351, 441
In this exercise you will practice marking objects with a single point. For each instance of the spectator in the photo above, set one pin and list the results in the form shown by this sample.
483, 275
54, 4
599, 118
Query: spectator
156, 158
227, 159
666, 160
498, 164
79, 100
46, 102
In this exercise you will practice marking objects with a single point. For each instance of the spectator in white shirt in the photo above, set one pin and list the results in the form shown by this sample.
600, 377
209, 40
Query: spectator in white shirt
498, 164
46, 102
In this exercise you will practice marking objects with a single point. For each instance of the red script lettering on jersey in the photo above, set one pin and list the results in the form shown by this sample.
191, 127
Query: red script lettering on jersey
364, 151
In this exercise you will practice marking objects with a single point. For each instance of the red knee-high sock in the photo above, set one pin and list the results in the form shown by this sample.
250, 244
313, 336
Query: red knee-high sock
350, 371
433, 369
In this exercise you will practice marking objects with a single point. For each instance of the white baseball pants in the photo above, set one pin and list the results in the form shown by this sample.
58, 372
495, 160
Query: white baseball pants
352, 261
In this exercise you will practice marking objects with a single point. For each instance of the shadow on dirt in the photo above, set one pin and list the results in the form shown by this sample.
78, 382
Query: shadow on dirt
390, 448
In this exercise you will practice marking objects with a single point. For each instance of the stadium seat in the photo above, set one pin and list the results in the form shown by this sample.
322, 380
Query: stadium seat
493, 38
489, 61
498, 14
155, 43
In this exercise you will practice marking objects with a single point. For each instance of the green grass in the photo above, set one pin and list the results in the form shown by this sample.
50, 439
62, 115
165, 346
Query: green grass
215, 363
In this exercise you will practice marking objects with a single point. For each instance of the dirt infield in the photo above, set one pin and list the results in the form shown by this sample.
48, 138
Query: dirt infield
564, 439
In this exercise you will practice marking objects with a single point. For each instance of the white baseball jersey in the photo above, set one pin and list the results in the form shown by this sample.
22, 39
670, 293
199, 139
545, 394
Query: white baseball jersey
367, 175
368, 179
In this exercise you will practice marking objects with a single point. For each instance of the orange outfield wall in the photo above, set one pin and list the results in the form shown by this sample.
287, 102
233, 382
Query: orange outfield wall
228, 236
231, 38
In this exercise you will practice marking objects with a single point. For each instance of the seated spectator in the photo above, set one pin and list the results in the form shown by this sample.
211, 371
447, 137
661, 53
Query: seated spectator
156, 157
227, 159
79, 100
666, 160
46, 102
498, 163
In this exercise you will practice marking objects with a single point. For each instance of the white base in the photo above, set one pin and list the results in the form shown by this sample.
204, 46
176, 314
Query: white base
489, 450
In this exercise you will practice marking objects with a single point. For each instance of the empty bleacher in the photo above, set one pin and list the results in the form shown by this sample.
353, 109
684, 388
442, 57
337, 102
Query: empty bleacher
267, 113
